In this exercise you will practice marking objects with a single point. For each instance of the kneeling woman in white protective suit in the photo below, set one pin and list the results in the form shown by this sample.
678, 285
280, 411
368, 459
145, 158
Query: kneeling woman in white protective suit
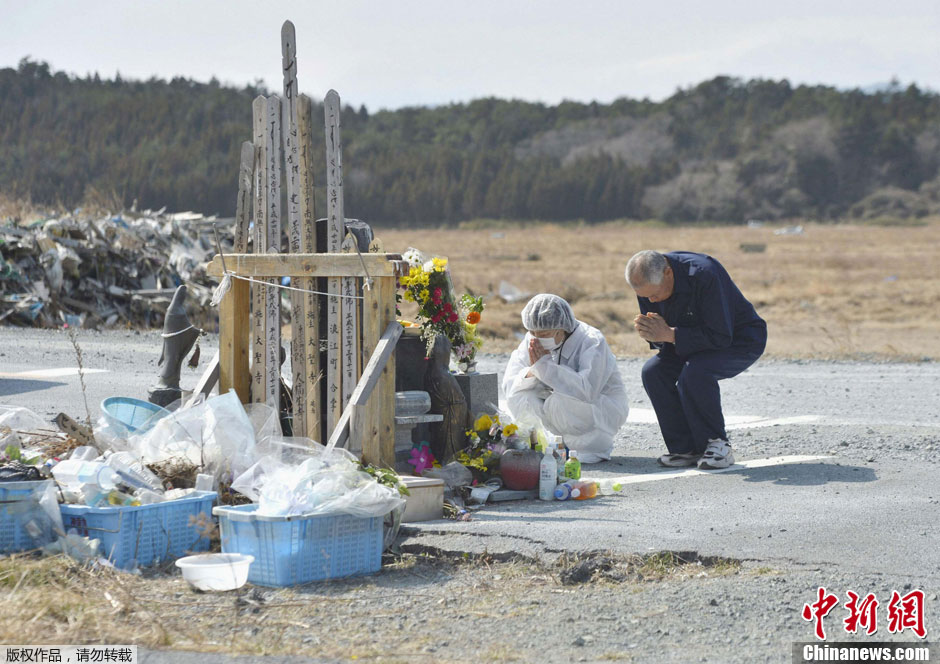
564, 376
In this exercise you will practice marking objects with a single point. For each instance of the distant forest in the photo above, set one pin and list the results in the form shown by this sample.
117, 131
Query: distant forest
724, 150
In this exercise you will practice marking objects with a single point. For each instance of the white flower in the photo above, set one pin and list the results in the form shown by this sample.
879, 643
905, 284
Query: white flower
415, 257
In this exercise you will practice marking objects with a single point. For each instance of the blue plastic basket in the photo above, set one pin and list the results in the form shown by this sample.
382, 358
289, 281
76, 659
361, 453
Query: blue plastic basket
291, 550
146, 535
134, 415
19, 505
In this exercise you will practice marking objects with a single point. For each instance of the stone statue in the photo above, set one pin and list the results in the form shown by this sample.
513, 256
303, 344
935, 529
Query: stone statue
179, 335
449, 436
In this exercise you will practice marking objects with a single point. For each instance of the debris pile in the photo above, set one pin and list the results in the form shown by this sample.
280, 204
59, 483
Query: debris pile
112, 271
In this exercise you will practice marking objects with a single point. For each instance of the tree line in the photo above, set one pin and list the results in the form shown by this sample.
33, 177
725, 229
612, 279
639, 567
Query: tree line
723, 150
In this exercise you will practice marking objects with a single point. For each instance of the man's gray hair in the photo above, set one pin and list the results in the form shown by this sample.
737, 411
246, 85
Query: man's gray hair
646, 268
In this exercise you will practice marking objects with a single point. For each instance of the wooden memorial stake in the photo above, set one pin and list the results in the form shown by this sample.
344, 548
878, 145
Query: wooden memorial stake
272, 296
295, 229
334, 234
259, 112
351, 288
308, 245
243, 203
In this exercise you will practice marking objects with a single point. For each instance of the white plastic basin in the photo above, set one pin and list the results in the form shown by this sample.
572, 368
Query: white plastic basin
216, 571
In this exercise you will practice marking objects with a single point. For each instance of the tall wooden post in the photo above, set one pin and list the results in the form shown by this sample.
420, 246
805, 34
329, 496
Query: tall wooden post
234, 341
272, 296
243, 203
308, 245
290, 135
335, 227
259, 112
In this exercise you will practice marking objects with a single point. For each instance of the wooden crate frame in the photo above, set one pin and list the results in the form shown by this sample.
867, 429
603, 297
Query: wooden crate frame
371, 422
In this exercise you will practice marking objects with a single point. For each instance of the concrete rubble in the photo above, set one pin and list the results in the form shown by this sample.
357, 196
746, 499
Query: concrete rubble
113, 271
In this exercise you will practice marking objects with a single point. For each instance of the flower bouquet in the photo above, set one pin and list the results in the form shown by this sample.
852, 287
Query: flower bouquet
429, 285
486, 442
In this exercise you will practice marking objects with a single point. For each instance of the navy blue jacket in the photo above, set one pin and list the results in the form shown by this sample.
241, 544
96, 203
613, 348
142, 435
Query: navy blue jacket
706, 308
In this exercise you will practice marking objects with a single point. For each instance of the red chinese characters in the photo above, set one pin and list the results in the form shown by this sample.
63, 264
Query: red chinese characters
861, 614
905, 612
819, 610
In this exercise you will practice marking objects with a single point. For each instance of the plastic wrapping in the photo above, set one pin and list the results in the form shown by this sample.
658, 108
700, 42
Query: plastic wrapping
325, 482
215, 435
15, 422
454, 474
29, 515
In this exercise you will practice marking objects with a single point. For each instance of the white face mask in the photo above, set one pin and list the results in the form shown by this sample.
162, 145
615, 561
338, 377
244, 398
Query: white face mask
548, 343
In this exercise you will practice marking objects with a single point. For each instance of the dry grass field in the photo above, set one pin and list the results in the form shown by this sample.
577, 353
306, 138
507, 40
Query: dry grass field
835, 291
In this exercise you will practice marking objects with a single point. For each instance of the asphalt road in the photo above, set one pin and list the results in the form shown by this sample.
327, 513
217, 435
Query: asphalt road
838, 472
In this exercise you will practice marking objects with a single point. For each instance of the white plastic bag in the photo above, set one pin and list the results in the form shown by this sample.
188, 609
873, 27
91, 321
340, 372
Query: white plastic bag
325, 482
16, 423
216, 436
454, 474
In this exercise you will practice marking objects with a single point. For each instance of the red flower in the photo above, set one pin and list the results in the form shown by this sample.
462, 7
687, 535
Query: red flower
436, 296
452, 318
447, 308
436, 318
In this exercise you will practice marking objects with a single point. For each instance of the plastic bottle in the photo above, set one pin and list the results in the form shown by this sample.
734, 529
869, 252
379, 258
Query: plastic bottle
548, 475
84, 453
148, 497
609, 487
118, 499
75, 472
176, 494
573, 466
93, 496
205, 482
133, 472
584, 490
563, 491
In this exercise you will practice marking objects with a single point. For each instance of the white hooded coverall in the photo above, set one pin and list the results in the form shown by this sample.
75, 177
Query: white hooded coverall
575, 392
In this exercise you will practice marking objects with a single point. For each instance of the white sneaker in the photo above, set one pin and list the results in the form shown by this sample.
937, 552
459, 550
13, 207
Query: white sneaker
678, 460
717, 455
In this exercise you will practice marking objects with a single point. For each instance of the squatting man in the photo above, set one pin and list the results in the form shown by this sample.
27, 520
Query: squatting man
704, 330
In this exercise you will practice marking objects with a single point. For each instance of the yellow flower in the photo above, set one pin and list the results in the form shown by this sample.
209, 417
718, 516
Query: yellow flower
510, 429
408, 296
424, 294
483, 423
423, 279
440, 264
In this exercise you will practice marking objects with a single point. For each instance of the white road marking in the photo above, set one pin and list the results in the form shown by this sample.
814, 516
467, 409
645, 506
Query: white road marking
732, 422
40, 374
648, 416
694, 472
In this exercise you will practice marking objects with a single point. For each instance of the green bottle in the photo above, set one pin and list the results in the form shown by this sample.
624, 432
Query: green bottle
573, 466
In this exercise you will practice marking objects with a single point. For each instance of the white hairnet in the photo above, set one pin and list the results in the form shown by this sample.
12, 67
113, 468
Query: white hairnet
548, 312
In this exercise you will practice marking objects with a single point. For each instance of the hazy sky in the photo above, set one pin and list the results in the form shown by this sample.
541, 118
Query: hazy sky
393, 53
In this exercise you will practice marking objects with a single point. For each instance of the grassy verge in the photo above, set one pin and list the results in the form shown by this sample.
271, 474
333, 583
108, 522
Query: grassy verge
57, 600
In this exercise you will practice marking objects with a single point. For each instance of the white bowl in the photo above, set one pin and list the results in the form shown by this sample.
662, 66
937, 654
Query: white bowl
216, 571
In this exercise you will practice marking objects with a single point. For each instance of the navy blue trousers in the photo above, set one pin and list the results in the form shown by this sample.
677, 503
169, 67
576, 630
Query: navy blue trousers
685, 393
